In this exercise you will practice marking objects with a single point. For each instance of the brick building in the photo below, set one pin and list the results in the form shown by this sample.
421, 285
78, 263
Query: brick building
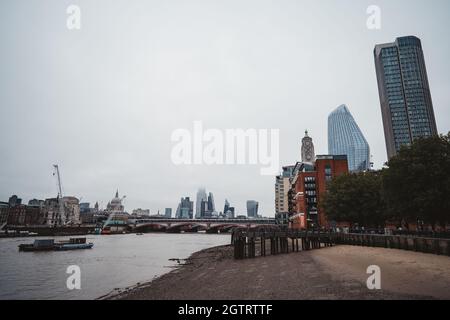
308, 184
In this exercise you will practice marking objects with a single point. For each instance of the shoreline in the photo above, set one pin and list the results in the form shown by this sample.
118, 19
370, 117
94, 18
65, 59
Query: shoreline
123, 293
335, 273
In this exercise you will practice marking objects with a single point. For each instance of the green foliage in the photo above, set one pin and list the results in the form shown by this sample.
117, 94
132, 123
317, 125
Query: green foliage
414, 186
355, 198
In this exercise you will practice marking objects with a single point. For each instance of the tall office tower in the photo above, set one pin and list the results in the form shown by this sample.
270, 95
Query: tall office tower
185, 209
345, 138
230, 213
308, 155
282, 186
226, 206
168, 213
405, 97
201, 196
211, 204
252, 209
203, 209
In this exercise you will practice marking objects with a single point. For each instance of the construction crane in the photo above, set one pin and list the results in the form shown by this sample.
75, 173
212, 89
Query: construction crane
61, 216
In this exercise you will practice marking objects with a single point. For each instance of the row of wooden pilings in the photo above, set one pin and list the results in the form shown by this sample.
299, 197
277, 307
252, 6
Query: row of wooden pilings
437, 246
249, 244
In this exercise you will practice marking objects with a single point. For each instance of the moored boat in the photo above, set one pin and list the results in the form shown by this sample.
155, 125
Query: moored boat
51, 245
74, 244
38, 245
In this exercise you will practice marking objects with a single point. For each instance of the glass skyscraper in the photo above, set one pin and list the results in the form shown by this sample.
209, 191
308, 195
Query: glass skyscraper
185, 209
252, 208
201, 196
404, 91
345, 138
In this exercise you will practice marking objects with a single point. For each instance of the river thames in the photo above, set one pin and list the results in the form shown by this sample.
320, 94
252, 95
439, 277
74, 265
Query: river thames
116, 261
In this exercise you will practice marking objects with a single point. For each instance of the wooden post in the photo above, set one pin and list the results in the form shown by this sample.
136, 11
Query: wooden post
424, 246
264, 246
448, 247
437, 247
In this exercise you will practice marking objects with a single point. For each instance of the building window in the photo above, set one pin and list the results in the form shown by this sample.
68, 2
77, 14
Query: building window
328, 173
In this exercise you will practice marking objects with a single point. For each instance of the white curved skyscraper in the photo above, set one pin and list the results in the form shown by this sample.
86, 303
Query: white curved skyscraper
345, 138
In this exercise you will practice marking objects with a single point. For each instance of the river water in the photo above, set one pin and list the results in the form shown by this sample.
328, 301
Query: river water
115, 261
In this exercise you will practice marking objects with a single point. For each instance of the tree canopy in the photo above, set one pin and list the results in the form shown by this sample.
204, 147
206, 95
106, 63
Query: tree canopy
355, 198
414, 186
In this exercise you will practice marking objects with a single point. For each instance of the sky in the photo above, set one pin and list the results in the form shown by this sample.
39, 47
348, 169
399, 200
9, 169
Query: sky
103, 101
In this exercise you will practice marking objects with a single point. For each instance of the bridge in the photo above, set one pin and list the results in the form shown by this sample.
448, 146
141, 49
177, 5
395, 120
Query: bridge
195, 225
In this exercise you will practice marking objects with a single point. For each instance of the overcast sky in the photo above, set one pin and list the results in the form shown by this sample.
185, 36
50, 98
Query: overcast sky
103, 101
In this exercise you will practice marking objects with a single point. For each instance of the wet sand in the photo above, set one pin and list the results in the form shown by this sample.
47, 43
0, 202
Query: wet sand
328, 273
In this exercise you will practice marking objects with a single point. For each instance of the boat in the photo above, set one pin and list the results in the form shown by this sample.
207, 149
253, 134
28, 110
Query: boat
38, 245
51, 245
74, 244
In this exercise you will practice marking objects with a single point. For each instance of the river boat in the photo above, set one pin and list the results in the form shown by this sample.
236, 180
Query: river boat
51, 245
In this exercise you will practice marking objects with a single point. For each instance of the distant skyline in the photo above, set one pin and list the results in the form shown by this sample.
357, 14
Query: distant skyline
102, 102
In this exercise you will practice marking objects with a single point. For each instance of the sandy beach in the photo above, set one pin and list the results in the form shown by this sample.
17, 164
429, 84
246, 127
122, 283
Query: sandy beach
330, 273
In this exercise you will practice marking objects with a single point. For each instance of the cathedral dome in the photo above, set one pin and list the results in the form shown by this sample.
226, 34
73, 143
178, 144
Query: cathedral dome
115, 205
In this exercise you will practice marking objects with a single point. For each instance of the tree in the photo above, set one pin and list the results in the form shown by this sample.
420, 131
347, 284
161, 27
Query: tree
416, 184
355, 198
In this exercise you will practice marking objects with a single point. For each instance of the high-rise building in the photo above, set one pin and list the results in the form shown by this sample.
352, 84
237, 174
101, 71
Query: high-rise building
228, 211
226, 206
345, 138
211, 204
168, 213
185, 209
405, 97
205, 206
252, 208
204, 213
282, 186
201, 196
308, 155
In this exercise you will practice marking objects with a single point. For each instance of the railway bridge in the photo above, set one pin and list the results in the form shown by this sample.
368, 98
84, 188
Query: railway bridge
195, 225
